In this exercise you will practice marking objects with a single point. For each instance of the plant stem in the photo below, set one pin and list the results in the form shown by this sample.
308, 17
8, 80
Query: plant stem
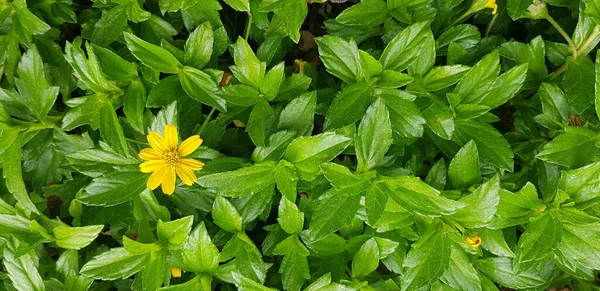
248, 26
584, 46
580, 52
564, 35
461, 18
489, 27
212, 111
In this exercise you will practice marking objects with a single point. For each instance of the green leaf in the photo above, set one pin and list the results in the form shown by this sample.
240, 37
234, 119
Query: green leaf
12, 172
405, 116
341, 58
573, 149
464, 168
152, 56
540, 237
481, 205
294, 270
258, 122
110, 26
153, 273
32, 84
248, 68
134, 104
392, 79
512, 81
245, 284
288, 19
201, 87
287, 180
88, 70
226, 215
199, 46
22, 270
271, 83
374, 136
242, 182
439, 119
578, 83
460, 274
581, 185
444, 76
516, 208
349, 105
554, 103
427, 259
475, 85
597, 85
419, 198
76, 238
375, 200
175, 232
241, 95
298, 115
516, 8
580, 244
492, 146
464, 36
289, 217
334, 211
365, 13
239, 5
500, 270
113, 189
402, 51
308, 153
366, 260
494, 242
116, 263
199, 253
341, 178
111, 130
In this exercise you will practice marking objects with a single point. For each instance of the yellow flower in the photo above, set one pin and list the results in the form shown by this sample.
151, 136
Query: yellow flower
474, 241
164, 159
299, 66
175, 272
492, 4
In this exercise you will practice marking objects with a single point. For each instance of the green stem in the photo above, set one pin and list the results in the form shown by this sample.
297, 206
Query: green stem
212, 111
461, 18
580, 52
564, 35
248, 26
136, 141
584, 46
489, 27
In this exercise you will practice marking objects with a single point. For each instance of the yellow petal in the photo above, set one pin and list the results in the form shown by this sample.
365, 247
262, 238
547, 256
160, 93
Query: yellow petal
189, 145
192, 164
156, 141
150, 154
175, 272
171, 137
151, 166
492, 4
168, 183
156, 178
187, 176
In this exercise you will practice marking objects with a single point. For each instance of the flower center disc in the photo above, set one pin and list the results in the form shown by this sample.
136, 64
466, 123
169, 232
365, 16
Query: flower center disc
171, 158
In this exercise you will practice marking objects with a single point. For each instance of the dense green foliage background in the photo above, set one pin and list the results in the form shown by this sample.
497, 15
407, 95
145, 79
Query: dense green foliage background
372, 145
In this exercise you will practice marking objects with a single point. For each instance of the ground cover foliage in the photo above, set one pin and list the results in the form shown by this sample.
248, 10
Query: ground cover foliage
299, 145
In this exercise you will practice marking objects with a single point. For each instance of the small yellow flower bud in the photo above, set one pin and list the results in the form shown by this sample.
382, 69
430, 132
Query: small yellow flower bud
474, 241
175, 272
238, 123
